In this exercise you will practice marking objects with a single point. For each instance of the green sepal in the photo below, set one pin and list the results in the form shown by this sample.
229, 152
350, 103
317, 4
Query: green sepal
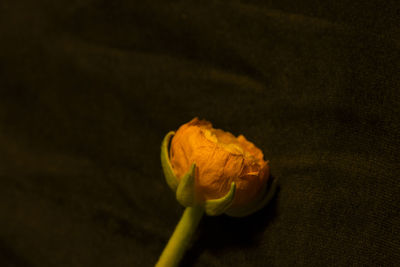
218, 206
185, 193
266, 195
169, 174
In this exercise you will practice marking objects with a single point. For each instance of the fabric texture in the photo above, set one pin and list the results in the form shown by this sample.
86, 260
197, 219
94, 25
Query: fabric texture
88, 89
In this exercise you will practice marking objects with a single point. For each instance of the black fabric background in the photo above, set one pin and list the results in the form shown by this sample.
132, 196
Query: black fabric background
88, 89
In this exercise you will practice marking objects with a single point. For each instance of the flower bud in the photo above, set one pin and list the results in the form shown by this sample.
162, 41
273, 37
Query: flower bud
215, 169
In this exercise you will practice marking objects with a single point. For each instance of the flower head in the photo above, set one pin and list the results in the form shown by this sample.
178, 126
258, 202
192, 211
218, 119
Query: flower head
221, 159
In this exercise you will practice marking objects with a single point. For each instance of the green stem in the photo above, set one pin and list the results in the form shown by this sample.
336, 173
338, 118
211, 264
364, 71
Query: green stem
180, 239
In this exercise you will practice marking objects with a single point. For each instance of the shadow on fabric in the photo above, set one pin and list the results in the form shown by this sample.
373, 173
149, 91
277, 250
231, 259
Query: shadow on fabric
224, 232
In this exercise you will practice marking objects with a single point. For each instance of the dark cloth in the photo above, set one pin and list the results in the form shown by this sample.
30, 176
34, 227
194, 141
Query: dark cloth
88, 89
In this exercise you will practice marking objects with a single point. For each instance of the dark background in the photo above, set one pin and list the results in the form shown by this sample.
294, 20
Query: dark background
88, 89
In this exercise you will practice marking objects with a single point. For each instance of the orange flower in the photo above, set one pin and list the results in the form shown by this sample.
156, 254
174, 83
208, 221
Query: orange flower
220, 158
211, 172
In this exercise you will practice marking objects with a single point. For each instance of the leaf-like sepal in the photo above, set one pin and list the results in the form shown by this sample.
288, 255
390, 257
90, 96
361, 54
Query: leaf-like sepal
218, 206
266, 195
169, 174
185, 193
